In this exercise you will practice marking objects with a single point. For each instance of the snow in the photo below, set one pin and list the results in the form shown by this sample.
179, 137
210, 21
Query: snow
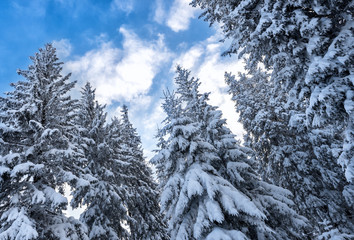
201, 222
335, 234
242, 202
6, 128
4, 170
38, 197
349, 173
214, 211
193, 187
10, 158
56, 199
21, 228
222, 234
349, 103
193, 147
24, 168
68, 229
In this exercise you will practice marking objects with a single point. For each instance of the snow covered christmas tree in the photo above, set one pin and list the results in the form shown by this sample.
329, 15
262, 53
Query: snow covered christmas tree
307, 46
105, 213
290, 156
38, 153
145, 222
121, 201
210, 189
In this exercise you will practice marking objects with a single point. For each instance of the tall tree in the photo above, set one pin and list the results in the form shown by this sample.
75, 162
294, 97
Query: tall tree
104, 199
210, 187
39, 153
288, 157
143, 205
308, 47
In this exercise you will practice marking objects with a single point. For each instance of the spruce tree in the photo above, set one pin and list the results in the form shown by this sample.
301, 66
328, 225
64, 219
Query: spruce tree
210, 187
145, 222
104, 199
288, 157
308, 47
38, 153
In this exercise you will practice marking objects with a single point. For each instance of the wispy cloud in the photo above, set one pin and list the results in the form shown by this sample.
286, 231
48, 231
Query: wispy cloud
180, 15
121, 74
63, 47
159, 14
190, 58
126, 6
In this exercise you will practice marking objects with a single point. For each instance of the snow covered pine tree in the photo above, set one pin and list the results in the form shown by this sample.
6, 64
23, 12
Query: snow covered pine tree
121, 201
38, 157
308, 46
210, 188
288, 158
145, 222
105, 213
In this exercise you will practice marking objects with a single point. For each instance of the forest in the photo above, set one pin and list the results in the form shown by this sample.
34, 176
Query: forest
291, 177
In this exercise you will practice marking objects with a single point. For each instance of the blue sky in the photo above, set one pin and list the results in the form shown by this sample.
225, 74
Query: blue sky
127, 49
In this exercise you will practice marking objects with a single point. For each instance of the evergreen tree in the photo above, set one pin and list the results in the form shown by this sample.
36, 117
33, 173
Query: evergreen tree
210, 187
143, 206
308, 46
288, 156
104, 198
38, 153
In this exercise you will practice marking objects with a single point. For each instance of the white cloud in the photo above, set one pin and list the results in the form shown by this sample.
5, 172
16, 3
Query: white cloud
159, 15
205, 62
126, 6
126, 75
121, 74
63, 47
190, 58
180, 15
146, 123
